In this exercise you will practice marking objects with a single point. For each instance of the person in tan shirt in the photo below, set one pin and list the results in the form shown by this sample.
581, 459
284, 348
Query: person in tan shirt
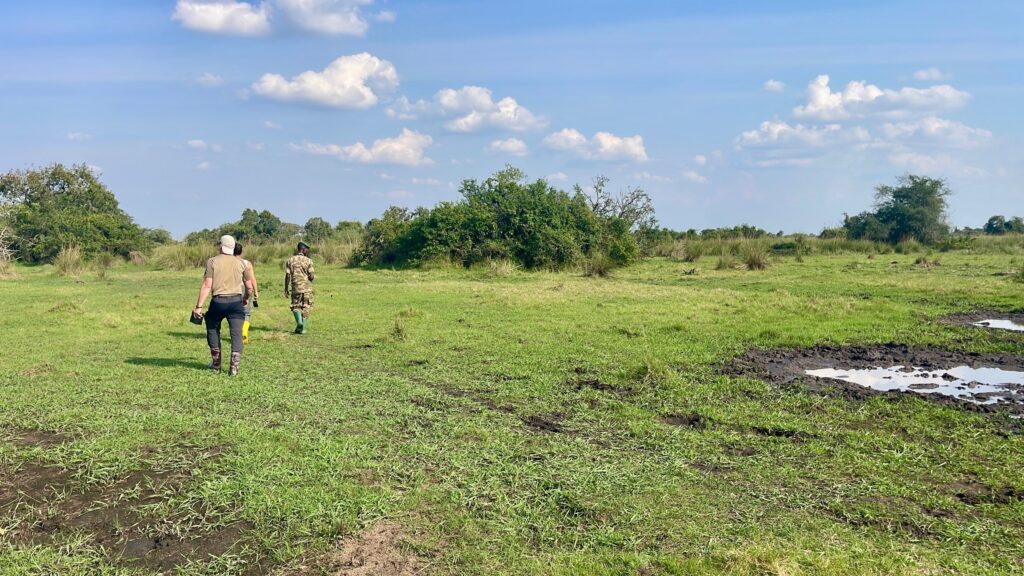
230, 283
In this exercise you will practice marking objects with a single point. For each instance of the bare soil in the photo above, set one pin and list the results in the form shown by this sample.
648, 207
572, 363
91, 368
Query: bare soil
376, 552
44, 502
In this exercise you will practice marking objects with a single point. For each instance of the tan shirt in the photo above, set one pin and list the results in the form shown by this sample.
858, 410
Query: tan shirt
229, 275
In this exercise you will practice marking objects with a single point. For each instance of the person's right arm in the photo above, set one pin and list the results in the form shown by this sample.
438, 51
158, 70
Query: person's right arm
287, 279
255, 286
204, 291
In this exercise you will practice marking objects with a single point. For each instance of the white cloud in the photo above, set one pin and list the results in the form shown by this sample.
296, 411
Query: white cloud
779, 133
348, 82
204, 165
271, 125
326, 16
511, 146
932, 164
473, 108
557, 177
223, 17
932, 74
937, 130
424, 181
700, 160
406, 149
652, 177
210, 80
384, 16
197, 144
79, 136
774, 85
693, 176
603, 145
859, 99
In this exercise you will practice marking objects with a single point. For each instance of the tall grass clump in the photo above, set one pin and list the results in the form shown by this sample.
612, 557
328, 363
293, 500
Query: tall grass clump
754, 254
183, 256
598, 265
102, 263
336, 253
6, 254
69, 261
137, 258
693, 250
726, 260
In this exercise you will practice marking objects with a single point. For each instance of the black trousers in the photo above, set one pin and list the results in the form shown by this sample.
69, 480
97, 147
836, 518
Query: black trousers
229, 307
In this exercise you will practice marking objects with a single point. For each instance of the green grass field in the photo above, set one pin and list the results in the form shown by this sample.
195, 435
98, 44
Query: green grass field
507, 423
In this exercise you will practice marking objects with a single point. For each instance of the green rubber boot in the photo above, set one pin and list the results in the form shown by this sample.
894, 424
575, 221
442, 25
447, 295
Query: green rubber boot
305, 324
298, 321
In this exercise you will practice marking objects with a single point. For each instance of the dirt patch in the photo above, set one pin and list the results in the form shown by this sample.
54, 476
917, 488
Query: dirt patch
788, 367
546, 422
376, 552
30, 438
695, 421
972, 319
973, 493
43, 503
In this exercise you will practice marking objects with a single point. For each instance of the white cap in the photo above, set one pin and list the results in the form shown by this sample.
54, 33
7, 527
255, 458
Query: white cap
227, 244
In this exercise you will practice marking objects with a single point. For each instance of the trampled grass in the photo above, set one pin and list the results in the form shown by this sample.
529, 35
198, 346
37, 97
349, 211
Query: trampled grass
518, 423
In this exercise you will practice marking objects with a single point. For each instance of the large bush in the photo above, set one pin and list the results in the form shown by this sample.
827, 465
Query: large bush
503, 217
915, 209
56, 207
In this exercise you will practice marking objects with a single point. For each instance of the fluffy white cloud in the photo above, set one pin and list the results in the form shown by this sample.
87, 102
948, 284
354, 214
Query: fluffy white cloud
603, 145
209, 80
931, 74
197, 144
271, 125
223, 17
326, 16
779, 133
79, 136
511, 146
348, 82
700, 160
859, 99
470, 108
693, 176
937, 130
557, 177
385, 16
204, 165
406, 149
774, 85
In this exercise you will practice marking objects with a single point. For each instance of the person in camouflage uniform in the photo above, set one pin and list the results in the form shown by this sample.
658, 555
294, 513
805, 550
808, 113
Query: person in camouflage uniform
298, 285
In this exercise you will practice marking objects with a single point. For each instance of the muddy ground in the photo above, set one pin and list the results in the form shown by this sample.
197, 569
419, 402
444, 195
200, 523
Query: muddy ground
969, 318
44, 504
786, 367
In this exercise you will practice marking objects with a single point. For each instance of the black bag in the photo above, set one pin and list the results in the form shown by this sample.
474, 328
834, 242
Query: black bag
195, 317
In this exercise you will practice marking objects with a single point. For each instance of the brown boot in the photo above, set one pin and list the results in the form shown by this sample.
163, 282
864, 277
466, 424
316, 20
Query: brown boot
236, 359
214, 359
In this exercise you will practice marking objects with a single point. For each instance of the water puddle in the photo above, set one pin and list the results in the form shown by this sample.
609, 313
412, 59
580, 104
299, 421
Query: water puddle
977, 385
1000, 325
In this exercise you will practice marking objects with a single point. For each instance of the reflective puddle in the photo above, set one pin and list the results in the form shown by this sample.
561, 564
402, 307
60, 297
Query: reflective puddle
1000, 325
978, 385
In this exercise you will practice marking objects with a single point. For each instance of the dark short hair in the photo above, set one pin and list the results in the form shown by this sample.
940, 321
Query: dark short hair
238, 249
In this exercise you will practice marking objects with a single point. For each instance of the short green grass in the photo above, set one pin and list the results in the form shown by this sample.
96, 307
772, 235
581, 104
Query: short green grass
408, 398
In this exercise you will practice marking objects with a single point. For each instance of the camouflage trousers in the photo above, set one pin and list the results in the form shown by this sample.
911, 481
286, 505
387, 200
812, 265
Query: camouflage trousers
302, 301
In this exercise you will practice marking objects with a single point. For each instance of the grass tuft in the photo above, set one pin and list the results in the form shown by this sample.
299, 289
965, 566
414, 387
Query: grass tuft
754, 255
69, 261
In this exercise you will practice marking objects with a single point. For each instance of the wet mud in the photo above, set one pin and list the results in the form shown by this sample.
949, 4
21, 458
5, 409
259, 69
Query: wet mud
789, 367
1005, 322
44, 503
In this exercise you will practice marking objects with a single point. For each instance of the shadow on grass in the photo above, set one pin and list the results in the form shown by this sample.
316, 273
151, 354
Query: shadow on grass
166, 363
200, 332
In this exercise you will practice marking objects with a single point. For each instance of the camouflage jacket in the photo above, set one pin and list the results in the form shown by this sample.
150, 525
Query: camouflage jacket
300, 269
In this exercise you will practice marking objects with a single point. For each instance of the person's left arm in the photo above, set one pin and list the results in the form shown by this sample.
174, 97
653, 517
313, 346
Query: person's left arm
310, 273
204, 291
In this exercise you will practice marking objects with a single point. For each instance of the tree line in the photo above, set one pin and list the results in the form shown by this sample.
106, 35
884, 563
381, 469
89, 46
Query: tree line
506, 216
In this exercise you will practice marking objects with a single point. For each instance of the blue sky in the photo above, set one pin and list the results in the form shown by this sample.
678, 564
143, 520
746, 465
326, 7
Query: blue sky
779, 114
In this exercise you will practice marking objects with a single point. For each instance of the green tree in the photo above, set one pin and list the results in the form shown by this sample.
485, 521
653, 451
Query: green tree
59, 206
914, 209
317, 230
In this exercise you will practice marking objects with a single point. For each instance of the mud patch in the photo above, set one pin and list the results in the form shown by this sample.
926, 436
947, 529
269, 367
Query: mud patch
788, 367
43, 504
976, 385
974, 493
546, 422
989, 319
695, 421
31, 438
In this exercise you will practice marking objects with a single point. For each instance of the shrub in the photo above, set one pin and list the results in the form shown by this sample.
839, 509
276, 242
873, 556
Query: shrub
137, 258
725, 260
598, 265
103, 262
69, 261
754, 255
693, 250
